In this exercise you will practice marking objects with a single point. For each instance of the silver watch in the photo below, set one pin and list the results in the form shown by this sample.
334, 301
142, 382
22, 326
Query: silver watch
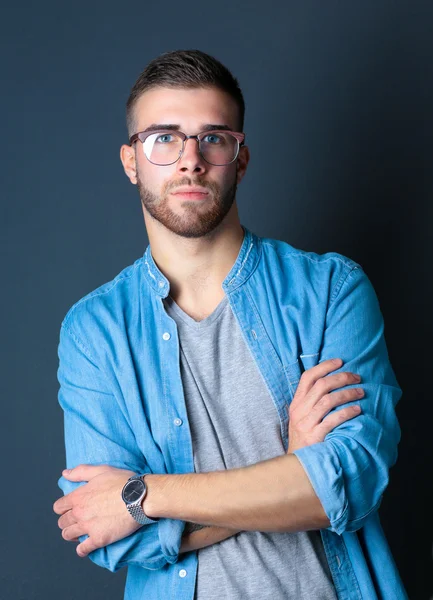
133, 493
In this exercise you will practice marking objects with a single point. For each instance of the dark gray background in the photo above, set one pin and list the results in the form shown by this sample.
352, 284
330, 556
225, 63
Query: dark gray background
339, 122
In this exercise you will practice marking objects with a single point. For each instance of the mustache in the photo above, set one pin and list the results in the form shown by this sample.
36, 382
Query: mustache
210, 185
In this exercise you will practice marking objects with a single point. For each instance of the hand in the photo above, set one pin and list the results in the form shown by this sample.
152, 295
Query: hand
312, 402
96, 508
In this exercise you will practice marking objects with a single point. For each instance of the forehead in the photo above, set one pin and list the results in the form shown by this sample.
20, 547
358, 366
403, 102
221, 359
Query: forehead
186, 107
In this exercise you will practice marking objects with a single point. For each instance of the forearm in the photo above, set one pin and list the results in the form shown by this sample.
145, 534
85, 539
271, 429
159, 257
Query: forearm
272, 495
209, 535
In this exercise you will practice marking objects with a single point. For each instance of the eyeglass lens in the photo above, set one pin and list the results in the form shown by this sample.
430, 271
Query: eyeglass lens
216, 148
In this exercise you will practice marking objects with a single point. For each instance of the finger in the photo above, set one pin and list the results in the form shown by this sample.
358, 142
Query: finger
329, 402
324, 386
84, 472
310, 376
73, 532
66, 520
337, 418
62, 505
86, 547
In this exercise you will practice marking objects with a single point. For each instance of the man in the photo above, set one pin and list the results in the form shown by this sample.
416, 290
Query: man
209, 390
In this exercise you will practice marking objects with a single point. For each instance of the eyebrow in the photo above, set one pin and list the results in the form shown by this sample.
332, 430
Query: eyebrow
172, 127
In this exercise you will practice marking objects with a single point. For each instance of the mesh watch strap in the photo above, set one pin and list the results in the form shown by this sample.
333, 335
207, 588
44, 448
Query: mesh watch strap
138, 514
136, 510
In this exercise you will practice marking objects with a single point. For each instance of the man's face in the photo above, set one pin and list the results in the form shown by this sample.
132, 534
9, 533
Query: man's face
191, 110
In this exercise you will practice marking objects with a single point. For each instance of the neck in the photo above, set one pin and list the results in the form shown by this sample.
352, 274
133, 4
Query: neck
196, 267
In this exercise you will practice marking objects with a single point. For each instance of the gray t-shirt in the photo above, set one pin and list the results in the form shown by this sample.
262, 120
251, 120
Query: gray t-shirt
234, 423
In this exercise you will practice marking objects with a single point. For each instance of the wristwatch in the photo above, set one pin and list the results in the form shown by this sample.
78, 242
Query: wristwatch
133, 493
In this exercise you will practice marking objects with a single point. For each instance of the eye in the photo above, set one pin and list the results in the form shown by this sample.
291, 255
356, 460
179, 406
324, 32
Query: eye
164, 138
212, 138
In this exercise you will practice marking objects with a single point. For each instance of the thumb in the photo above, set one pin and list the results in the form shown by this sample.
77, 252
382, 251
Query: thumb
84, 472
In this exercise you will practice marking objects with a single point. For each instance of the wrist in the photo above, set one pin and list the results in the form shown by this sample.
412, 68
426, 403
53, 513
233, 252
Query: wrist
152, 502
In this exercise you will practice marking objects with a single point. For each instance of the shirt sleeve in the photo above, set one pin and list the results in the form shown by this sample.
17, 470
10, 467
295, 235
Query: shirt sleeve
97, 432
349, 470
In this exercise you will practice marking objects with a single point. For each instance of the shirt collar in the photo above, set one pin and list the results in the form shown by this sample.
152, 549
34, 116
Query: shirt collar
245, 263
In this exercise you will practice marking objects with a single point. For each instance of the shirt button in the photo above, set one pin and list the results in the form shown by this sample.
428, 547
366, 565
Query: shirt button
182, 573
161, 284
166, 336
177, 422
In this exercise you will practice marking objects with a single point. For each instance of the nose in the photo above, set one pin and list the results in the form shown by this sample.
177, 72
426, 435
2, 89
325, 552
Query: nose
191, 159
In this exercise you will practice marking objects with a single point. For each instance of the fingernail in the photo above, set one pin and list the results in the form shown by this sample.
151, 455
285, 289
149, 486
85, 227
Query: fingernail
360, 391
337, 361
66, 470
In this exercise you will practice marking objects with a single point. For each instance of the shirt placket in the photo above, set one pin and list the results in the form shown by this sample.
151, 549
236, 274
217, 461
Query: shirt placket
180, 458
264, 354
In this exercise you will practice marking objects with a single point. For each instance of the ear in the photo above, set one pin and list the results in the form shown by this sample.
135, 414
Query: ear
127, 156
242, 163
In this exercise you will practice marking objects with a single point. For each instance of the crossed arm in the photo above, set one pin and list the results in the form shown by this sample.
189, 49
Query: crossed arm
348, 470
272, 495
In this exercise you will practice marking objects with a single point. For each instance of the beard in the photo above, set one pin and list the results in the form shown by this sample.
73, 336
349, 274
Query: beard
195, 220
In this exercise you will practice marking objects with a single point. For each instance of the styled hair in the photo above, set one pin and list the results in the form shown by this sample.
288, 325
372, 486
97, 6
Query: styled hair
186, 69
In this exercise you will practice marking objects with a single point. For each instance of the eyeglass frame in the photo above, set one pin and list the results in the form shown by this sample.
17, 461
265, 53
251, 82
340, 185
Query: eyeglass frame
142, 135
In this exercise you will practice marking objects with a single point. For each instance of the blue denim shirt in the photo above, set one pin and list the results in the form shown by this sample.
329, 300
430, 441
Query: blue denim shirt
122, 396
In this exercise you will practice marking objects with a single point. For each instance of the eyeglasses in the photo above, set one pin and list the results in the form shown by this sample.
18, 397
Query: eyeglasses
164, 146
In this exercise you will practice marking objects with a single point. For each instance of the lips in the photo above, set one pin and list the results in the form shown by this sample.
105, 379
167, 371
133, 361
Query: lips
191, 193
190, 190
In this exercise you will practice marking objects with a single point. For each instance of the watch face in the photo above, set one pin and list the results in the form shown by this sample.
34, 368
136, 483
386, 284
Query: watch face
133, 490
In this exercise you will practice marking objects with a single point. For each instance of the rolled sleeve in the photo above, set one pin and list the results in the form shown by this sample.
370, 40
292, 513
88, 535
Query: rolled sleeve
349, 470
97, 432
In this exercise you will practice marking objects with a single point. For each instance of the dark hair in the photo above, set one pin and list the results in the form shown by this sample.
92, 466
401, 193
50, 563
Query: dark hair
184, 69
